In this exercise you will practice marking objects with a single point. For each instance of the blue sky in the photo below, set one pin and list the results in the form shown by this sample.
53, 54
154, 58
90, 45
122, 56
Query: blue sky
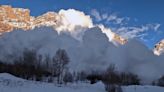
142, 19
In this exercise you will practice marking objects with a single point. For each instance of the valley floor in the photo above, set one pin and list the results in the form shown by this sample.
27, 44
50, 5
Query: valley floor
9, 83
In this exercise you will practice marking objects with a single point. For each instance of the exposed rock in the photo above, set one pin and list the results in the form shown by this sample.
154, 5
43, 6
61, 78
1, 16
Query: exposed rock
159, 48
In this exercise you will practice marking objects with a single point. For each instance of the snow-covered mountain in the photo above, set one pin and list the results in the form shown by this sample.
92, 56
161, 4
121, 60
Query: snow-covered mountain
159, 48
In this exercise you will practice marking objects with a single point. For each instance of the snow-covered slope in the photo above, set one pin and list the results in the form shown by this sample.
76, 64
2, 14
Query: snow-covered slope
143, 89
9, 83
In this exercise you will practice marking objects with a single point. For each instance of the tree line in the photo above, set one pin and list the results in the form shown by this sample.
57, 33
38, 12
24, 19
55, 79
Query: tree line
32, 66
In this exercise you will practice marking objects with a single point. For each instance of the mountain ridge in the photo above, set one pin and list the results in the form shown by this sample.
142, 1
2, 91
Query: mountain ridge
20, 18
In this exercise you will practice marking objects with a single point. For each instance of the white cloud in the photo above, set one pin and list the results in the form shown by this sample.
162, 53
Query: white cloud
137, 32
115, 19
112, 18
104, 16
123, 28
157, 26
96, 14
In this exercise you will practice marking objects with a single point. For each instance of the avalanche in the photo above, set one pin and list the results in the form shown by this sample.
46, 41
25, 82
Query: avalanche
94, 52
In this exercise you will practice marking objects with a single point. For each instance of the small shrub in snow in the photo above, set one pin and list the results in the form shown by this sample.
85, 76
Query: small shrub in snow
160, 81
68, 77
94, 77
81, 76
113, 88
129, 79
111, 76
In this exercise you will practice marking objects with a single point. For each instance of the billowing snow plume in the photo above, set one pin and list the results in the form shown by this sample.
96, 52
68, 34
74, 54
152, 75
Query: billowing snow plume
71, 18
73, 21
76, 22
107, 31
94, 52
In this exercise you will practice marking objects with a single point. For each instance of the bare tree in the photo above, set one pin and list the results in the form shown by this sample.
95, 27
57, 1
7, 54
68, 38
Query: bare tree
60, 61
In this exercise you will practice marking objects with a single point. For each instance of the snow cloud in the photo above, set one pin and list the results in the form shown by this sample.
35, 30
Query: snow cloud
71, 18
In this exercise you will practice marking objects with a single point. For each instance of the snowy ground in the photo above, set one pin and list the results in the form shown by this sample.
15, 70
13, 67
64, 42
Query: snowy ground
9, 83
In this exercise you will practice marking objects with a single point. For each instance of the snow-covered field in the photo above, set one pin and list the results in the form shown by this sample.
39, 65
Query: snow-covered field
9, 83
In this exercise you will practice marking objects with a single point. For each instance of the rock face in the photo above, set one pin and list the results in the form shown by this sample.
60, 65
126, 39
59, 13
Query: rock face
159, 48
14, 18
47, 19
119, 39
19, 18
